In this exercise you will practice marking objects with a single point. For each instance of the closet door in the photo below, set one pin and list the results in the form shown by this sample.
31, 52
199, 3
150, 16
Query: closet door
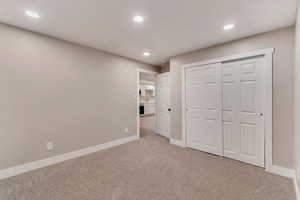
203, 108
242, 110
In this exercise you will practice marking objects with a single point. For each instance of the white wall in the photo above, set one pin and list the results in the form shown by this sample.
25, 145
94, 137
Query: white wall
57, 91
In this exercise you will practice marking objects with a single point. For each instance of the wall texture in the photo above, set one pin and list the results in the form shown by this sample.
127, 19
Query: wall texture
283, 42
57, 91
297, 99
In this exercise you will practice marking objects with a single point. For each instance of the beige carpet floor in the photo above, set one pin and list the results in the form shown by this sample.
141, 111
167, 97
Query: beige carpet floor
148, 169
146, 132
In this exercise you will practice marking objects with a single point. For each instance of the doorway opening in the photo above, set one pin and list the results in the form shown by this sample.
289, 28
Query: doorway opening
153, 104
146, 113
147, 104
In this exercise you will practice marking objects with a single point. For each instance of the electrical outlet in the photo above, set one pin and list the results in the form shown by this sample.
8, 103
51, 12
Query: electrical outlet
126, 130
50, 146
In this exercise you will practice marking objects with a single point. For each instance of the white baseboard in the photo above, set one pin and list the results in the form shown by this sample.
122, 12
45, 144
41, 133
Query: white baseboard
289, 173
296, 187
177, 143
282, 171
5, 173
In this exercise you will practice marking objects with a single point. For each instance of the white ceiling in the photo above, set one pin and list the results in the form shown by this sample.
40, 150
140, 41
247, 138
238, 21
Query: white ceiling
171, 27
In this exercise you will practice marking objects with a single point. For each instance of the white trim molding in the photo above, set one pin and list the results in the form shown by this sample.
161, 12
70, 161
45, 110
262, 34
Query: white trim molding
282, 171
296, 187
179, 143
286, 172
289, 173
231, 58
20, 169
268, 87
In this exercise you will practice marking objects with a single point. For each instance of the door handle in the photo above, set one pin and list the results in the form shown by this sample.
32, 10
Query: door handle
259, 114
169, 109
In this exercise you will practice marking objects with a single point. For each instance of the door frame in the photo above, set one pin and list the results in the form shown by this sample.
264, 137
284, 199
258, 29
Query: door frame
138, 71
268, 87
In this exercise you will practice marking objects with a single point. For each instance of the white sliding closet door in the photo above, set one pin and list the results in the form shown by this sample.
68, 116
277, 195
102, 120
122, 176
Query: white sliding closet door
224, 106
242, 110
203, 108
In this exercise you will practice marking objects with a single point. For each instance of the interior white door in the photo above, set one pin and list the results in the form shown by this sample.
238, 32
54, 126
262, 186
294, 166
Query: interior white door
203, 108
242, 110
162, 104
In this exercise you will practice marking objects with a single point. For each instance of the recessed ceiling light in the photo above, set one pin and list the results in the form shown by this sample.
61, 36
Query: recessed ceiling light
146, 54
32, 14
138, 19
228, 27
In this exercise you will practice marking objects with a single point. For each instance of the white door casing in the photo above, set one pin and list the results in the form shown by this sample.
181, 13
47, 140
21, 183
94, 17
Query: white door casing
162, 104
203, 109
